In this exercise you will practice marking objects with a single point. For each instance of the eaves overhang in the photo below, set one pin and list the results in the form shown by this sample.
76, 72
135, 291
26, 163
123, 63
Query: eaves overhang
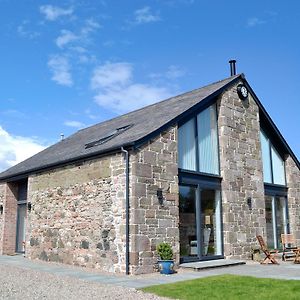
63, 163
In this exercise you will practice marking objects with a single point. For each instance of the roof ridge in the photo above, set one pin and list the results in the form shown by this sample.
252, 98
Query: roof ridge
153, 104
72, 148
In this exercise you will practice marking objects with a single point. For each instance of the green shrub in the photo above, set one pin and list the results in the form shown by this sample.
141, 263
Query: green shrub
165, 251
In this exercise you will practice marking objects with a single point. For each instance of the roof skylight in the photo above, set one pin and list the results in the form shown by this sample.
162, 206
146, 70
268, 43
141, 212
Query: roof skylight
108, 137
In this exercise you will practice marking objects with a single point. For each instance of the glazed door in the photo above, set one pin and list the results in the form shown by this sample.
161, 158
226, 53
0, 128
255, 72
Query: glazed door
21, 217
276, 220
211, 233
188, 229
200, 230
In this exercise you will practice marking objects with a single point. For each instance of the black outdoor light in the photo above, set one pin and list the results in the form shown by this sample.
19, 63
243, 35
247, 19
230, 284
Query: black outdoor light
249, 202
1, 209
160, 197
29, 206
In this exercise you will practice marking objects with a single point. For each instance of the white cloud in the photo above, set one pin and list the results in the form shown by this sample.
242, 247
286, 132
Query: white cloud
90, 26
60, 68
13, 113
65, 38
251, 22
89, 114
74, 124
132, 97
78, 39
108, 43
15, 149
25, 32
79, 49
54, 12
116, 91
144, 15
173, 72
111, 74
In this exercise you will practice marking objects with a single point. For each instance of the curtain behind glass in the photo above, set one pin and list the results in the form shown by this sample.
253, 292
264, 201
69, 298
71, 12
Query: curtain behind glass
208, 141
265, 149
187, 146
278, 167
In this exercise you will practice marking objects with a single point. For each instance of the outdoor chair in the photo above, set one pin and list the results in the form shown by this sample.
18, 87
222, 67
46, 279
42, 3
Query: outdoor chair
290, 248
270, 254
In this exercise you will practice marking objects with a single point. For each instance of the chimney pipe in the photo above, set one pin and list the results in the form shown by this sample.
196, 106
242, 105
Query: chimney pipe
232, 67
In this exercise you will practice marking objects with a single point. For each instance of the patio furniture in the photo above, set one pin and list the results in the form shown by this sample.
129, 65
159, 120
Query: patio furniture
289, 247
297, 256
270, 254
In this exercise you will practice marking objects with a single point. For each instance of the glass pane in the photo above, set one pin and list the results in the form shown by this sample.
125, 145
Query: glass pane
22, 191
208, 141
187, 146
281, 218
278, 167
187, 221
269, 222
211, 222
265, 149
21, 227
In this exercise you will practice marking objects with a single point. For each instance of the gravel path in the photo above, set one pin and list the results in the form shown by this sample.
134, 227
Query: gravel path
18, 283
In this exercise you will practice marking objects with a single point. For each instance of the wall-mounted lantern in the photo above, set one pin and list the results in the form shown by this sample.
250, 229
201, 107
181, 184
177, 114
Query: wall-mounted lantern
29, 206
249, 202
160, 197
1, 209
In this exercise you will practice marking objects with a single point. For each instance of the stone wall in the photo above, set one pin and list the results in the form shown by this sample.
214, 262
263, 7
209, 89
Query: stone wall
154, 167
2, 186
8, 237
77, 214
293, 183
241, 170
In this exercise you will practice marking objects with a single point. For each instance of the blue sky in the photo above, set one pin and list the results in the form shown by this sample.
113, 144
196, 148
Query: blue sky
65, 65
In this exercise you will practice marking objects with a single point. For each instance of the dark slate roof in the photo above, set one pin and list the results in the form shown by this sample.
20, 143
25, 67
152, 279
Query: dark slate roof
145, 122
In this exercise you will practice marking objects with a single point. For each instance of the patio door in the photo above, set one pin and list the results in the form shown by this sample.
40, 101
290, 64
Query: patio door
276, 219
199, 223
21, 216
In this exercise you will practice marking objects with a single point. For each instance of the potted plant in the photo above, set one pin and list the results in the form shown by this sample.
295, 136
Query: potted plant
166, 262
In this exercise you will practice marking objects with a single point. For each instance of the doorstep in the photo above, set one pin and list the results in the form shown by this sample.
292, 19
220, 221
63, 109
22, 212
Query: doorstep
217, 263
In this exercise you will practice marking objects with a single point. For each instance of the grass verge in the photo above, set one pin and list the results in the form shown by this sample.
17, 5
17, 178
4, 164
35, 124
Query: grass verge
229, 287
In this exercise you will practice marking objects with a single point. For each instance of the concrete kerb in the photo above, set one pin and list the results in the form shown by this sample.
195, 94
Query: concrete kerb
286, 270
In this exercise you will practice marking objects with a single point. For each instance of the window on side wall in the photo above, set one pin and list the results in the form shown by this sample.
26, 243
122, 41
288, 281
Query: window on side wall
273, 164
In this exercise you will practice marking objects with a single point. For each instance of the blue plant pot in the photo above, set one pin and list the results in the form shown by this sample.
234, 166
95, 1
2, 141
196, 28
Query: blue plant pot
166, 266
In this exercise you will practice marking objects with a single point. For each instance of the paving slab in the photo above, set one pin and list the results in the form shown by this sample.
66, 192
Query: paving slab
286, 270
216, 263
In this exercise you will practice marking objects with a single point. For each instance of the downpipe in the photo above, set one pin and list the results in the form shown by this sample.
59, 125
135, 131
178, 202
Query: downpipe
127, 209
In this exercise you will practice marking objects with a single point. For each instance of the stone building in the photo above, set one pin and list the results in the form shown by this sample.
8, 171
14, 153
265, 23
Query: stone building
206, 171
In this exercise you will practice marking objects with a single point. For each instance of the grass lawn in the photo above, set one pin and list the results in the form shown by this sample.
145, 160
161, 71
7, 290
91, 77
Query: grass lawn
229, 287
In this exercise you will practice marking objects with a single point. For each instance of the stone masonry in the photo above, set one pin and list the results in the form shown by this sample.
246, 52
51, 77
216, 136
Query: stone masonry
241, 172
78, 211
2, 187
8, 219
154, 167
77, 214
293, 183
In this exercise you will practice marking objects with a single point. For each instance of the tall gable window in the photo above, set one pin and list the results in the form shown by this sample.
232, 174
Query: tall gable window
273, 164
187, 146
200, 205
198, 143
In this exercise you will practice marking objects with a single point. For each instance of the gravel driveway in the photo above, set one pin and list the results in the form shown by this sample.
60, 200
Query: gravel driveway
19, 283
